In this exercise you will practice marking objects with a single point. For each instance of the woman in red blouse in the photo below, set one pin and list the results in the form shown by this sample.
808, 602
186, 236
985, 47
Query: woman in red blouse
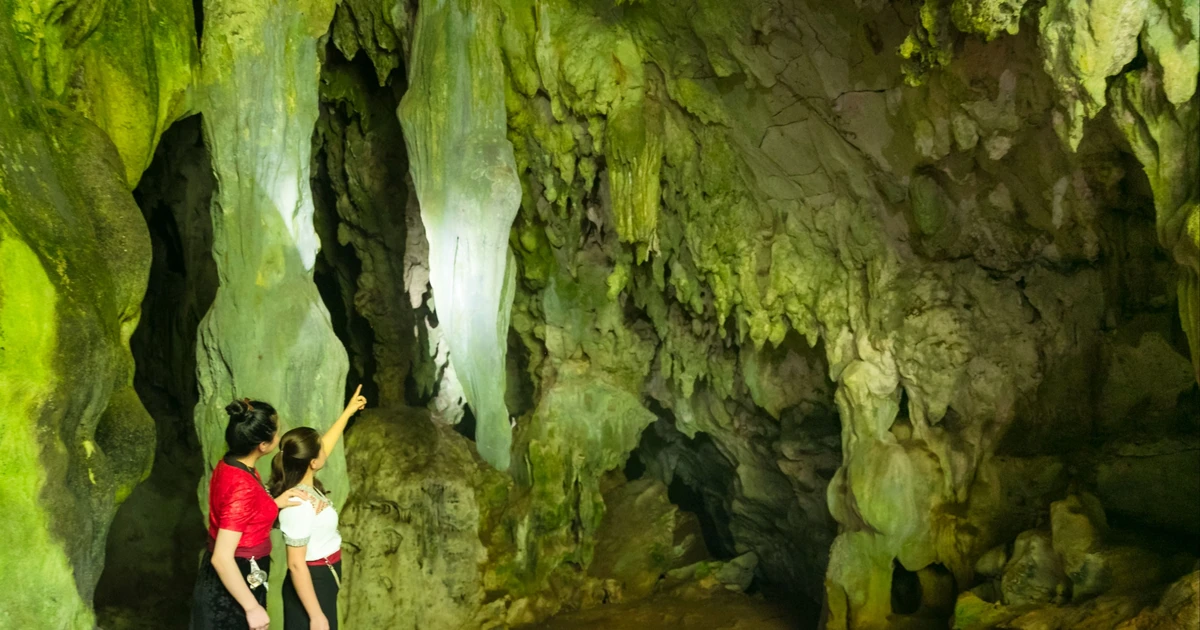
231, 589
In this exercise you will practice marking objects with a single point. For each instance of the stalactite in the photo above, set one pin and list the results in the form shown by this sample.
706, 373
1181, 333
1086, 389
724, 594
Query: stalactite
466, 180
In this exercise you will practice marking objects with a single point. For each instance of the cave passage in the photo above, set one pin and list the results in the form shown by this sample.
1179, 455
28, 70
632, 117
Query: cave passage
156, 539
696, 315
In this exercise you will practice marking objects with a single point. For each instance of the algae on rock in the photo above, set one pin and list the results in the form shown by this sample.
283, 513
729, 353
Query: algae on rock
414, 525
74, 258
126, 66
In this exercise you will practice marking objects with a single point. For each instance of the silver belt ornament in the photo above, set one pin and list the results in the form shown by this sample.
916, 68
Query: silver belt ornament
257, 576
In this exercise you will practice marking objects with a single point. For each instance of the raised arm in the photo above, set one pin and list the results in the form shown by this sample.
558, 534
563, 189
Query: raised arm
329, 440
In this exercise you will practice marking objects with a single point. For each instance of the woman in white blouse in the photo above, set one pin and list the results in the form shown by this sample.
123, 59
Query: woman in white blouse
314, 547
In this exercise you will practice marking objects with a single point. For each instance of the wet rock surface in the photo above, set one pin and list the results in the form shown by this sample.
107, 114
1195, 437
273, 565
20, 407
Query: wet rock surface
899, 301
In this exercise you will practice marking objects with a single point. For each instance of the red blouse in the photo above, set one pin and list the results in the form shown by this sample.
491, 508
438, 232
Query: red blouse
237, 501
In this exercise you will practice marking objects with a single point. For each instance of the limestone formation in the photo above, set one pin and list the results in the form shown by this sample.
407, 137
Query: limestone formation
466, 181
889, 307
74, 257
267, 335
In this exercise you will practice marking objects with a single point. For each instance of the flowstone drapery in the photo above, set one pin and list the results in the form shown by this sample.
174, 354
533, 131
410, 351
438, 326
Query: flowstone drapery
466, 180
268, 335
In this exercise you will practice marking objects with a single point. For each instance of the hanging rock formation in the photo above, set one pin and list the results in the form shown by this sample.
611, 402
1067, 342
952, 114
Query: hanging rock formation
466, 181
896, 302
267, 335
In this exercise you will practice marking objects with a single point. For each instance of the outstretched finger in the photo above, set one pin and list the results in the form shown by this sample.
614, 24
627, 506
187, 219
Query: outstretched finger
357, 391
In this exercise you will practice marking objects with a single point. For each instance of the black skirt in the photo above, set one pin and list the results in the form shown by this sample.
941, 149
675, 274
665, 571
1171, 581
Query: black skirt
213, 608
295, 617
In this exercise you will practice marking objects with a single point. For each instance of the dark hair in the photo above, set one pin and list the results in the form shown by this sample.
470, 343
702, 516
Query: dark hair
251, 422
297, 448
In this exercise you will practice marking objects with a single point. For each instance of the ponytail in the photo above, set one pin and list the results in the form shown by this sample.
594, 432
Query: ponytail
297, 449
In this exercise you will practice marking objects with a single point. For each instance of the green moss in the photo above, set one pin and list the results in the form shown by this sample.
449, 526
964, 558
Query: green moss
989, 18
126, 67
928, 46
39, 583
928, 204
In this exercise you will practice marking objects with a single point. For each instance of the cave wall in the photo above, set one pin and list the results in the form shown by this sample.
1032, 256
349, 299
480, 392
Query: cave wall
151, 559
877, 282
80, 118
936, 198
89, 90
268, 335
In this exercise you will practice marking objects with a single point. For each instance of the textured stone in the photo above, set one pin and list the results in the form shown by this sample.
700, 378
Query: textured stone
1084, 43
1035, 574
466, 180
1165, 140
583, 427
1078, 528
74, 255
364, 211
425, 504
705, 189
1145, 379
1130, 480
126, 66
150, 560
1178, 608
267, 334
635, 543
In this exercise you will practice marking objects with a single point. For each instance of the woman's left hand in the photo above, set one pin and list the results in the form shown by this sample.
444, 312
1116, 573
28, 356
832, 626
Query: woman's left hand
357, 401
286, 500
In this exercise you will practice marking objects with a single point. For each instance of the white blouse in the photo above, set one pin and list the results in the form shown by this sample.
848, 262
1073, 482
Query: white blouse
302, 525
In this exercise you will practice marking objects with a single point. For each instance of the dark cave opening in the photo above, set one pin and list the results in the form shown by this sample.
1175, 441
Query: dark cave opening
360, 206
700, 480
687, 493
466, 426
710, 514
906, 590
158, 533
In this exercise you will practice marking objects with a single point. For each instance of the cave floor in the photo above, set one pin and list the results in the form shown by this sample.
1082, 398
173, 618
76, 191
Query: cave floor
722, 611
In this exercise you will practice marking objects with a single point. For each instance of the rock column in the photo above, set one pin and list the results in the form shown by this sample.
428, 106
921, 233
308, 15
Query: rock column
268, 335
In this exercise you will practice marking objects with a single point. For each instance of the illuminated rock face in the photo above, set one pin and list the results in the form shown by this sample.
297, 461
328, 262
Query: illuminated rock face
867, 307
462, 165
267, 335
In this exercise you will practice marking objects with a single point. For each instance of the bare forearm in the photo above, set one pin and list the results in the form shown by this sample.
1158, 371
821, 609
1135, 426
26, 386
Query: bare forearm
331, 437
302, 580
234, 582
329, 440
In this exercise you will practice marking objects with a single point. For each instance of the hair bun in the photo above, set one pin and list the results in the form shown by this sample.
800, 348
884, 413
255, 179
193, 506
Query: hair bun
236, 408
